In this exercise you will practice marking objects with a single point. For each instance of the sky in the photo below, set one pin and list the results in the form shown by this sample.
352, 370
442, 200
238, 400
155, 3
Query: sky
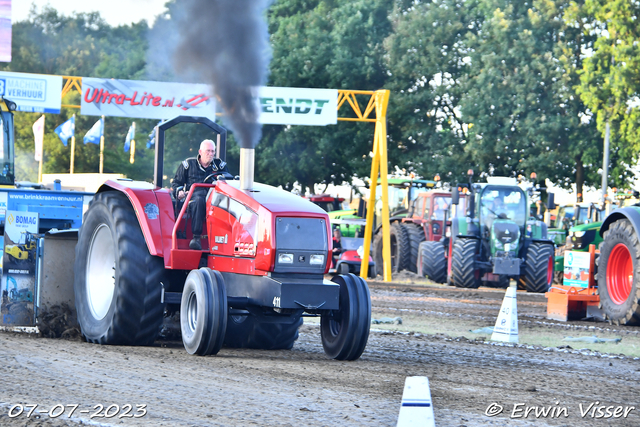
115, 12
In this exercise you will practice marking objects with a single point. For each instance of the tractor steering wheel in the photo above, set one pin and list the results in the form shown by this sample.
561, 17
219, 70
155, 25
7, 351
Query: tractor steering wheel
211, 178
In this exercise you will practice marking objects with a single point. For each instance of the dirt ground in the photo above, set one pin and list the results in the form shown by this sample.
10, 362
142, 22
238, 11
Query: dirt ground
470, 379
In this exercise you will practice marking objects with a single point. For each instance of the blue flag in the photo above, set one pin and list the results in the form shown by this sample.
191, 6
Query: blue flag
152, 136
66, 130
131, 135
95, 133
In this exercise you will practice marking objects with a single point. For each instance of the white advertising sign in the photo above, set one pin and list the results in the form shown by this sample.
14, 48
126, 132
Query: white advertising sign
33, 93
145, 99
298, 106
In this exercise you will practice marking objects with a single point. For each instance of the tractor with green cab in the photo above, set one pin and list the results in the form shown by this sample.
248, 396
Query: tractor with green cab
496, 240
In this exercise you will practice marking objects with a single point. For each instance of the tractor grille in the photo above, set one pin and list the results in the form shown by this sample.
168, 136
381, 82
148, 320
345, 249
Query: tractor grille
299, 244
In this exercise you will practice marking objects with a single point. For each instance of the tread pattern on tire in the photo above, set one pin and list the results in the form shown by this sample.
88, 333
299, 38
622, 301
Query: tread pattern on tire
433, 261
536, 263
138, 313
463, 269
398, 236
415, 236
628, 313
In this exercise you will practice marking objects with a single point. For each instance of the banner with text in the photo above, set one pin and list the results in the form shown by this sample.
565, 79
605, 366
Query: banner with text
145, 99
33, 93
19, 293
5, 30
298, 106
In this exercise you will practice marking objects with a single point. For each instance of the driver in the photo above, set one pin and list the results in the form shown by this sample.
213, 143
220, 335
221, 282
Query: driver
194, 170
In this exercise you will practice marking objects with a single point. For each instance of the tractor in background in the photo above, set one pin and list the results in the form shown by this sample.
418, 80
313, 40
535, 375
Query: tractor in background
496, 240
403, 191
261, 267
427, 227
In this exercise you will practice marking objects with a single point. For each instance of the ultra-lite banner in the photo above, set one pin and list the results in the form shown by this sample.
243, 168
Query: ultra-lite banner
298, 106
33, 93
145, 99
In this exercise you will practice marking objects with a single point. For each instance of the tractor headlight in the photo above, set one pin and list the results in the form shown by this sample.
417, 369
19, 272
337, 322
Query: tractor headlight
578, 233
316, 259
285, 259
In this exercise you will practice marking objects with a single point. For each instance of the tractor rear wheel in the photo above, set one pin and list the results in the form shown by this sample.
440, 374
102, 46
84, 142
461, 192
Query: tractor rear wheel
463, 263
117, 282
619, 273
203, 312
345, 333
433, 263
416, 236
538, 267
248, 332
399, 245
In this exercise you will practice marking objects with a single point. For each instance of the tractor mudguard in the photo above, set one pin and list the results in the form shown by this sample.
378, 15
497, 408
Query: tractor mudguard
631, 213
154, 210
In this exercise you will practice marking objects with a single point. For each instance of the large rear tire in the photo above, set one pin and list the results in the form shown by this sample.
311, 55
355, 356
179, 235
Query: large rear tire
399, 245
117, 282
416, 236
463, 263
433, 263
248, 332
345, 333
538, 262
619, 274
203, 312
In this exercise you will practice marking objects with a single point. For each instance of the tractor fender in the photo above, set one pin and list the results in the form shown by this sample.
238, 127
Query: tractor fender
154, 209
630, 213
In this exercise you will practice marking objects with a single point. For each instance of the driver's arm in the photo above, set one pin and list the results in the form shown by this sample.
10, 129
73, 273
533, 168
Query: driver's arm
179, 182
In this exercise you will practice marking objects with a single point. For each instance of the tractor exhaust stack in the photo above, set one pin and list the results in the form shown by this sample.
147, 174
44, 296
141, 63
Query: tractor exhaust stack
247, 168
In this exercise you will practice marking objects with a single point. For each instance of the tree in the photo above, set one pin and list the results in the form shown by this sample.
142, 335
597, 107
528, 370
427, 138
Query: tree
610, 78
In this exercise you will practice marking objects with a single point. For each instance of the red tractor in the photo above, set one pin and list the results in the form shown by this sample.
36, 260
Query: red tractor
261, 268
424, 235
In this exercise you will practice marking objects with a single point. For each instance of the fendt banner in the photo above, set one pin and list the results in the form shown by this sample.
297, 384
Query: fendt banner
145, 99
33, 93
298, 106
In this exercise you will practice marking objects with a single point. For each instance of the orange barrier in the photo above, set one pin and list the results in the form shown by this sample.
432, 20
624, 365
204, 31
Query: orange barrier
569, 302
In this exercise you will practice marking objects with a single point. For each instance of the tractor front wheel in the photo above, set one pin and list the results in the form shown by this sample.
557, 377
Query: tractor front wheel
463, 263
619, 274
117, 282
203, 312
538, 270
345, 333
432, 261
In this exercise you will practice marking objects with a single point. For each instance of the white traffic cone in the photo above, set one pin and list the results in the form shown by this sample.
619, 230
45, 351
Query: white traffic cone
506, 328
416, 409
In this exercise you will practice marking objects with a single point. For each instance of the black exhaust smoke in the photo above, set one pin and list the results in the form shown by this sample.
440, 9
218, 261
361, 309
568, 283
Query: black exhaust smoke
226, 43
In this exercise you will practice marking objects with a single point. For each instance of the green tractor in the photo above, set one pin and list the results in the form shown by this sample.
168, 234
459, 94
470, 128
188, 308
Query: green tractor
496, 240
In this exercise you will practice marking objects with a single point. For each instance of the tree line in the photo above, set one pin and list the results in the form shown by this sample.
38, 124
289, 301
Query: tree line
503, 87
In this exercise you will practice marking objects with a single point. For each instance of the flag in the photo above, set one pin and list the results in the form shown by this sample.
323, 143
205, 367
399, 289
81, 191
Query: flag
38, 136
66, 130
152, 136
131, 135
95, 133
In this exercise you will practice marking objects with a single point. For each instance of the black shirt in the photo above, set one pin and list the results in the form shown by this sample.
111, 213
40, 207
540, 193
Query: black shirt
191, 172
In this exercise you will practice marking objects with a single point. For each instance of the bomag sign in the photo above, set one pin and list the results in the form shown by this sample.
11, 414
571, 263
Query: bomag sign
296, 106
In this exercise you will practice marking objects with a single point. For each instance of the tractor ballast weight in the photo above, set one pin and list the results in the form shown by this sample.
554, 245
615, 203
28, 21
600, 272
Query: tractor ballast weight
496, 240
261, 269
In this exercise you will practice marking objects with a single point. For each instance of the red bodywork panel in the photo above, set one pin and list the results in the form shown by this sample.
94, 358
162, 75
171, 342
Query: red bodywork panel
242, 243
